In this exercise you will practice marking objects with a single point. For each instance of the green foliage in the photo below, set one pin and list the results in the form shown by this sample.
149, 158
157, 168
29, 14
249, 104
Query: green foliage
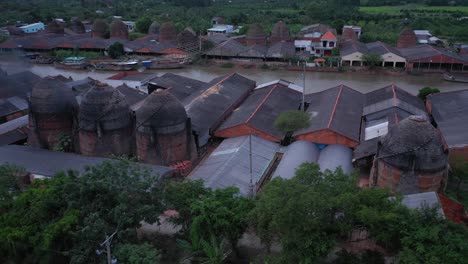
424, 92
135, 35
372, 60
227, 65
65, 218
291, 121
11, 182
192, 3
180, 197
3, 39
142, 24
137, 254
64, 143
116, 50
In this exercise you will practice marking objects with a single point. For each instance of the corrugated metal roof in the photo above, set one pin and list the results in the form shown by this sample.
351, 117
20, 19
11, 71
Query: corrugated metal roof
421, 200
229, 164
37, 161
449, 111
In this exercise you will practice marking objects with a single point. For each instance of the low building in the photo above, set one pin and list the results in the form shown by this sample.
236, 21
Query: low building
130, 25
351, 53
391, 57
318, 40
356, 29
210, 108
257, 114
335, 117
33, 28
244, 162
429, 58
220, 29
38, 161
425, 37
383, 109
449, 110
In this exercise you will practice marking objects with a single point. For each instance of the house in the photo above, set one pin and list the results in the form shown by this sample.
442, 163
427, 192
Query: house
425, 37
351, 53
448, 109
210, 108
335, 117
257, 114
356, 29
244, 162
220, 29
130, 25
383, 109
318, 40
33, 28
391, 57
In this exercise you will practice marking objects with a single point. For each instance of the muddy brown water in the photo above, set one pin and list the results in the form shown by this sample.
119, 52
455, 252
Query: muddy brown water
315, 81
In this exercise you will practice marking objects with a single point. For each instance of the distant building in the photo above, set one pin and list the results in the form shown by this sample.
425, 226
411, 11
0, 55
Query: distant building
220, 30
130, 25
318, 40
217, 20
33, 28
356, 29
425, 37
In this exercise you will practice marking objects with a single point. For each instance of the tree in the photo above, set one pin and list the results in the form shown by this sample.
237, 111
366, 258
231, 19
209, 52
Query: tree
460, 173
11, 182
142, 24
303, 213
372, 60
424, 92
180, 196
64, 219
116, 50
291, 121
137, 254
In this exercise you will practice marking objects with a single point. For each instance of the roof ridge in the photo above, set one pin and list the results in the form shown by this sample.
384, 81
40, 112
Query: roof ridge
261, 103
200, 95
334, 107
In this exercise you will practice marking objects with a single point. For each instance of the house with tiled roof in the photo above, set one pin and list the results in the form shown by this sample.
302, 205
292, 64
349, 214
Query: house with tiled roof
318, 40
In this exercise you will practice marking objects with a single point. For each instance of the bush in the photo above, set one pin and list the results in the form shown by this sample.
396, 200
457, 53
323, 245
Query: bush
291, 121
424, 92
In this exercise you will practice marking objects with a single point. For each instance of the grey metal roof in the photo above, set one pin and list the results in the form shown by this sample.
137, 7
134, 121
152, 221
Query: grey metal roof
229, 48
229, 164
334, 156
351, 46
262, 108
296, 154
38, 161
449, 111
12, 105
211, 107
392, 96
281, 49
413, 54
179, 86
14, 130
381, 48
18, 84
422, 200
338, 109
132, 95
255, 51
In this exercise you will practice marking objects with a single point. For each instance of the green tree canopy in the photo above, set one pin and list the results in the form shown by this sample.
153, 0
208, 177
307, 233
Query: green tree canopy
142, 24
424, 92
292, 121
116, 50
372, 60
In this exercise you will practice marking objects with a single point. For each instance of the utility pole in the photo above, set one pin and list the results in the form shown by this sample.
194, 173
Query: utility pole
107, 243
303, 87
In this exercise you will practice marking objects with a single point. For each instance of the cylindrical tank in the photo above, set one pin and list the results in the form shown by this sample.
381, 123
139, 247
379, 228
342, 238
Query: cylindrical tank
51, 116
105, 123
163, 130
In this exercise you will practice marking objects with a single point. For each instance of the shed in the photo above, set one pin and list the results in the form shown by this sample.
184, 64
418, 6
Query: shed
229, 164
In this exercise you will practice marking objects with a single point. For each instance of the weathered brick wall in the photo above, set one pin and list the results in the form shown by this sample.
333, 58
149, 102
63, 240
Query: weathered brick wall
327, 137
47, 129
111, 143
163, 149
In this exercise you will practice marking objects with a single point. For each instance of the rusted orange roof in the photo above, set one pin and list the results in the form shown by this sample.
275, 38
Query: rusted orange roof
328, 36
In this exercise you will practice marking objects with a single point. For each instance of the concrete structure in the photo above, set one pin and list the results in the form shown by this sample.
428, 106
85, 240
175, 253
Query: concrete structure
163, 130
105, 123
33, 28
391, 57
351, 53
356, 29
130, 25
411, 158
317, 39
51, 116
220, 30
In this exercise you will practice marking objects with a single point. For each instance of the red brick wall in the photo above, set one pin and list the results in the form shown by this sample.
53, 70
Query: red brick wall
243, 130
252, 42
389, 177
327, 137
111, 143
458, 154
165, 150
47, 129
